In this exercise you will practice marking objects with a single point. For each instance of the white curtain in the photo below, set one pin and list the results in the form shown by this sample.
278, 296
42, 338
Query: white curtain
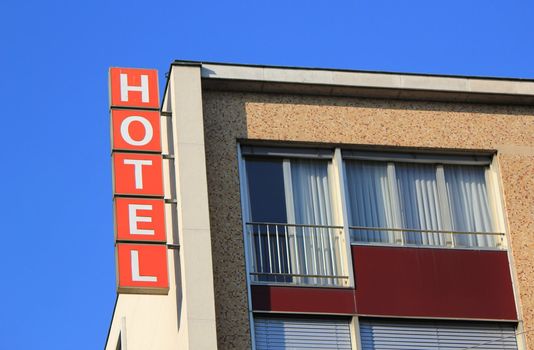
468, 205
424, 197
312, 206
311, 192
370, 201
420, 203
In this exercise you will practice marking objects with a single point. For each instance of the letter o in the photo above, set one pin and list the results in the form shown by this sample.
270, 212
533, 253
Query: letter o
125, 125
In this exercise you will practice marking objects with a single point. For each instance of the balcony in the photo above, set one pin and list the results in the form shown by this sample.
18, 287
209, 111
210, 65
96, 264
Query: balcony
398, 272
290, 254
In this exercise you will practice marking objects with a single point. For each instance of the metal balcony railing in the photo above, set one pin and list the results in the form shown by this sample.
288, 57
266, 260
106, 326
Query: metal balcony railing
427, 238
293, 254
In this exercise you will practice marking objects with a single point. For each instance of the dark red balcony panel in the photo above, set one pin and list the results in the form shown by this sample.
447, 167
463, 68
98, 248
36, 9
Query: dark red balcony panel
423, 282
303, 299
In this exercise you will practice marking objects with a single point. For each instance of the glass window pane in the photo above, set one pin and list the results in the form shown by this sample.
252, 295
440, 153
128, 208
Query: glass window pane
311, 192
370, 200
469, 204
268, 205
420, 203
266, 190
419, 199
314, 244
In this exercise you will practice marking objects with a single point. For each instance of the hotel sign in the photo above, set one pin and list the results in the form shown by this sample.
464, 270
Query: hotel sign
139, 207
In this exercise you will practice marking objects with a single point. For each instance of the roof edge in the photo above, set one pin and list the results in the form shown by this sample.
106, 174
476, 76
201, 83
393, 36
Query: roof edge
366, 84
251, 65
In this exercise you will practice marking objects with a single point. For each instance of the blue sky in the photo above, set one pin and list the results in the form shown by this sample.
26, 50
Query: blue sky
57, 286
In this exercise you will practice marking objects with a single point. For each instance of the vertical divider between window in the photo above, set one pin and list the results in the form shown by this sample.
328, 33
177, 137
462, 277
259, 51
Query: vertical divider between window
395, 203
288, 191
339, 169
496, 203
337, 220
290, 212
444, 205
356, 338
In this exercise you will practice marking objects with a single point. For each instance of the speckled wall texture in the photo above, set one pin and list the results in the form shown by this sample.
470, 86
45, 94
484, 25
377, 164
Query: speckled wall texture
230, 116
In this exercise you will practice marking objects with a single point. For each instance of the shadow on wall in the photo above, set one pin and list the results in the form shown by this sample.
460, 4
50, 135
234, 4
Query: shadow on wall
174, 220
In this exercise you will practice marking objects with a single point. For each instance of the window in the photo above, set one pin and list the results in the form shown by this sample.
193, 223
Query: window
295, 191
291, 220
378, 334
301, 333
420, 202
302, 205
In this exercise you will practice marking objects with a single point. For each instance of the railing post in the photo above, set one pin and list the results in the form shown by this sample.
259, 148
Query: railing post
279, 258
270, 270
260, 249
287, 250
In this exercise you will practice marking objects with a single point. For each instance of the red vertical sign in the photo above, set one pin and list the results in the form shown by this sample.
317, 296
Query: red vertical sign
138, 191
134, 87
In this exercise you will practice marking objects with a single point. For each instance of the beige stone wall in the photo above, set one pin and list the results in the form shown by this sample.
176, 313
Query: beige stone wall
229, 116
222, 127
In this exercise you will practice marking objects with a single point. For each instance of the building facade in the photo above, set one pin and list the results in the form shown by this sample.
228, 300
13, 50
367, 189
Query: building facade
329, 209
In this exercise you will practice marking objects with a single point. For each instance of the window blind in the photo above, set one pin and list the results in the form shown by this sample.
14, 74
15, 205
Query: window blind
301, 333
380, 334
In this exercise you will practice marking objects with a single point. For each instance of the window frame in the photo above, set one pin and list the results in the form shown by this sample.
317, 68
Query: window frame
439, 160
340, 328
438, 331
337, 176
335, 179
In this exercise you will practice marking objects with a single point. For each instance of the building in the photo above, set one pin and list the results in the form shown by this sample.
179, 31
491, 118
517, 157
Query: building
331, 209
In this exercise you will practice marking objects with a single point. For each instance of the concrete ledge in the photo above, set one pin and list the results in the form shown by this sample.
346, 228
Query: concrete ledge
228, 77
